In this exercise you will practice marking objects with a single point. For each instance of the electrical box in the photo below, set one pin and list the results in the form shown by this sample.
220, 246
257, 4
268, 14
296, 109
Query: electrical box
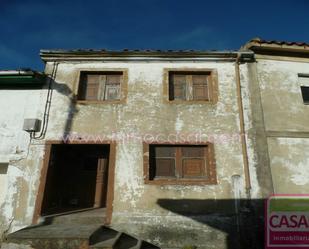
32, 125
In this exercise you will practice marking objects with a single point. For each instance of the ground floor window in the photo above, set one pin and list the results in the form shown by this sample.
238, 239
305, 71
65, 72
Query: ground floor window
179, 163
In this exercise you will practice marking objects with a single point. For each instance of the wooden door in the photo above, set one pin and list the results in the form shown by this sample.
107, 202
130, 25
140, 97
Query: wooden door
101, 183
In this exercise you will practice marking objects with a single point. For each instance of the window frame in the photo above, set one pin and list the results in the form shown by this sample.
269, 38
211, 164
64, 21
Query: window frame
210, 167
212, 85
303, 82
123, 85
303, 89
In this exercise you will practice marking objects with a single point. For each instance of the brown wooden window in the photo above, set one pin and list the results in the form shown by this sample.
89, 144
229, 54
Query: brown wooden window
100, 86
188, 86
180, 163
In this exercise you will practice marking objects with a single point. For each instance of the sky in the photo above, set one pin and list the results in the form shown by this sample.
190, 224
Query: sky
26, 26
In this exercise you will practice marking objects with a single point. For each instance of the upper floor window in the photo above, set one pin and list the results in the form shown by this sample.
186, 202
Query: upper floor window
191, 86
304, 86
100, 86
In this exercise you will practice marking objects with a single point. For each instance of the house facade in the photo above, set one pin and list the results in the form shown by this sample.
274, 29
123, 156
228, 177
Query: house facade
175, 147
282, 96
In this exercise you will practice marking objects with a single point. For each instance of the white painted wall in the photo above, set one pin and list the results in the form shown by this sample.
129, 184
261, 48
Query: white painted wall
3, 181
146, 113
282, 101
15, 174
286, 123
143, 113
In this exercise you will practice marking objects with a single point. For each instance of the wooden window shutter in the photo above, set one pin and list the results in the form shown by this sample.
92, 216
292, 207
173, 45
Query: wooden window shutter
165, 167
192, 151
193, 161
200, 87
165, 151
102, 86
189, 86
193, 167
112, 89
92, 88
181, 164
164, 161
179, 86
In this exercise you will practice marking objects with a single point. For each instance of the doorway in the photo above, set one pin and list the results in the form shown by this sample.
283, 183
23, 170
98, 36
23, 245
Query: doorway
76, 179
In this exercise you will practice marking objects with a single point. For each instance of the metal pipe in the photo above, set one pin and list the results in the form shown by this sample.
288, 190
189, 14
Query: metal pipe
52, 77
242, 129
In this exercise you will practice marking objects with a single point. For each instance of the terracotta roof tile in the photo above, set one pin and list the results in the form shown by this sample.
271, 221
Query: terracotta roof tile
261, 41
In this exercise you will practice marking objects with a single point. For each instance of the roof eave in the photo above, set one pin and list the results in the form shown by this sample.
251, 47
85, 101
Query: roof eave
277, 49
12, 78
51, 55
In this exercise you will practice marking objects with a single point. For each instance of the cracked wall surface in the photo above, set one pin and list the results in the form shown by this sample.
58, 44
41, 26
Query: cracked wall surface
286, 123
19, 160
143, 115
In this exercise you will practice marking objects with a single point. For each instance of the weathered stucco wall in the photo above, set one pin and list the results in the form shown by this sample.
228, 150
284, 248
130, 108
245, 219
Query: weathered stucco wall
159, 213
145, 113
277, 132
260, 176
281, 95
290, 161
286, 123
19, 161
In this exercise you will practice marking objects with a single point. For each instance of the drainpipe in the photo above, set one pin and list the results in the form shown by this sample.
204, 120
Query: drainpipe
242, 129
52, 77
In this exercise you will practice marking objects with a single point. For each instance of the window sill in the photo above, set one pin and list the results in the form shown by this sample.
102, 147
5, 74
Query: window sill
181, 182
99, 102
189, 102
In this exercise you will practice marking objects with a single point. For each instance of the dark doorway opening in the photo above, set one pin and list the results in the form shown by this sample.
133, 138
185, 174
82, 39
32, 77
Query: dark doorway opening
77, 178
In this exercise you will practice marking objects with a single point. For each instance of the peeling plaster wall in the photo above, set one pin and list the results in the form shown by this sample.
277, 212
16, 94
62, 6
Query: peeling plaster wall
145, 113
286, 124
256, 139
246, 81
281, 95
19, 160
277, 132
290, 162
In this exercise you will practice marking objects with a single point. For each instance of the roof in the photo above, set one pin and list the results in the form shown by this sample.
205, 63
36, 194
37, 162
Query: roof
80, 54
23, 71
22, 77
261, 41
259, 45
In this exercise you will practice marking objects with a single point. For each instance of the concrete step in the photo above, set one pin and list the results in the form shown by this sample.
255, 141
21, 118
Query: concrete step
107, 238
146, 245
93, 216
138, 245
126, 241
108, 243
119, 241
72, 234
51, 236
101, 234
